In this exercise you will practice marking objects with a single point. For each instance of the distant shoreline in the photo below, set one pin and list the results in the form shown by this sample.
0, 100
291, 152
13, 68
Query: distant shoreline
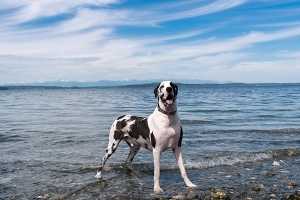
13, 87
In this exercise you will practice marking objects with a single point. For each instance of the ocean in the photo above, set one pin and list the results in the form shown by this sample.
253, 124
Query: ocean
234, 136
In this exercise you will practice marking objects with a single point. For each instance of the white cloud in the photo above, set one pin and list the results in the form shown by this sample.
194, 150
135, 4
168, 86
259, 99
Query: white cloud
212, 7
33, 9
89, 45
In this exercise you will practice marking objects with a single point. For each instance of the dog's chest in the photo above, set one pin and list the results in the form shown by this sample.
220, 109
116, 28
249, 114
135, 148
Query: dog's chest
167, 137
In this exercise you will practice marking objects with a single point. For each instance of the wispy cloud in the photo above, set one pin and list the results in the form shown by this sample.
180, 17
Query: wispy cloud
26, 10
112, 38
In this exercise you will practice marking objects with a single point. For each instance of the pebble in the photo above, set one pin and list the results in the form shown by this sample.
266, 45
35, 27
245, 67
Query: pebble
46, 196
57, 198
236, 174
191, 195
270, 174
218, 193
257, 187
290, 184
272, 196
179, 196
293, 184
215, 195
275, 163
295, 196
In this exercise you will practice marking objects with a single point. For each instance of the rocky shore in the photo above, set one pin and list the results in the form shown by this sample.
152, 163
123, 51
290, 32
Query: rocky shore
265, 180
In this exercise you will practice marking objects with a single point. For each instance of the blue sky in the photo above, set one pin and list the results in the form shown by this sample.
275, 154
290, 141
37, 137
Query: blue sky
251, 41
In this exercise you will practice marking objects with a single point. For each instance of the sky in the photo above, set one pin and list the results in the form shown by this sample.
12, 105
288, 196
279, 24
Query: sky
250, 41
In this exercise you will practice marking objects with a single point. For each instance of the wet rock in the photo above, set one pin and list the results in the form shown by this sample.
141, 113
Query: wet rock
257, 187
214, 195
287, 182
236, 174
57, 198
295, 196
231, 190
292, 153
95, 195
179, 196
46, 196
218, 194
273, 197
191, 195
269, 174
203, 196
275, 163
293, 184
290, 184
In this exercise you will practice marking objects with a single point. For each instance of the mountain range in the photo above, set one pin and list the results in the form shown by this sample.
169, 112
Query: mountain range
109, 83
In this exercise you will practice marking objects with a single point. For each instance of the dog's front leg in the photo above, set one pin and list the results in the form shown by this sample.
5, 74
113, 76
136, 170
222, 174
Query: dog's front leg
156, 155
177, 152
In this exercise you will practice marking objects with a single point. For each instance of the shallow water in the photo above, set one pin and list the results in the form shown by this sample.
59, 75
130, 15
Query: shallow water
52, 140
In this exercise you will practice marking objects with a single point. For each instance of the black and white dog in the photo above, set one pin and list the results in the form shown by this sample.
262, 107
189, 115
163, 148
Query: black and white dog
160, 131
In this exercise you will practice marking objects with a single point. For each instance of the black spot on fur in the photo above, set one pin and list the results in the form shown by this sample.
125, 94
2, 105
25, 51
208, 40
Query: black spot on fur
146, 146
118, 134
121, 117
139, 128
153, 142
121, 124
180, 138
135, 118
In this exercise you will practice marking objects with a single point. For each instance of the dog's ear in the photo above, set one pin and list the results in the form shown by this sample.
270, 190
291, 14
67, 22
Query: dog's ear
156, 91
175, 88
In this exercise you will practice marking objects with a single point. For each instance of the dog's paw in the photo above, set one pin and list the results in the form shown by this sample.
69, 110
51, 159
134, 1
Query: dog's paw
129, 165
191, 185
98, 175
158, 190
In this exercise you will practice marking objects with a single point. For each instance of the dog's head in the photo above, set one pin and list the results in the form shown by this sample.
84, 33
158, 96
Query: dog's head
166, 92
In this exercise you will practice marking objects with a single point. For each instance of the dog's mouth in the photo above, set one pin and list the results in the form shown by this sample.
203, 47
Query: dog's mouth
169, 100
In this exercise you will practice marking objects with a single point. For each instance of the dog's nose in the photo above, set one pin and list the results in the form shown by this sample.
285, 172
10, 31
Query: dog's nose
169, 89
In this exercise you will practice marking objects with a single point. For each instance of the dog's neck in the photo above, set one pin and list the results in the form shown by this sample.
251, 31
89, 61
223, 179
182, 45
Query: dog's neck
167, 111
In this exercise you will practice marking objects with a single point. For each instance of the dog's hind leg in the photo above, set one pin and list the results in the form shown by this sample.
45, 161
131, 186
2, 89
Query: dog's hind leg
134, 148
112, 146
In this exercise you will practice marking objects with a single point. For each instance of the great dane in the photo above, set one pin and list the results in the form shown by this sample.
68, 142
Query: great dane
160, 131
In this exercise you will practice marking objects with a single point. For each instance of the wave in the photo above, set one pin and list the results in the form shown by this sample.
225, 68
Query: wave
228, 160
272, 131
195, 122
236, 159
10, 138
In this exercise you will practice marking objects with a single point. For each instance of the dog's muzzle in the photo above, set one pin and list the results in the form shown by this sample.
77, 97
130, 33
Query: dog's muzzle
170, 100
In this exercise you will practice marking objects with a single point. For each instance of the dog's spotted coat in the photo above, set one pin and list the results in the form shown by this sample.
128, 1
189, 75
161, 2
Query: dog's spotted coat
160, 131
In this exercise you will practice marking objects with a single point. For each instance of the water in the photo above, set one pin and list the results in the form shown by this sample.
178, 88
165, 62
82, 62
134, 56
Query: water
52, 140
